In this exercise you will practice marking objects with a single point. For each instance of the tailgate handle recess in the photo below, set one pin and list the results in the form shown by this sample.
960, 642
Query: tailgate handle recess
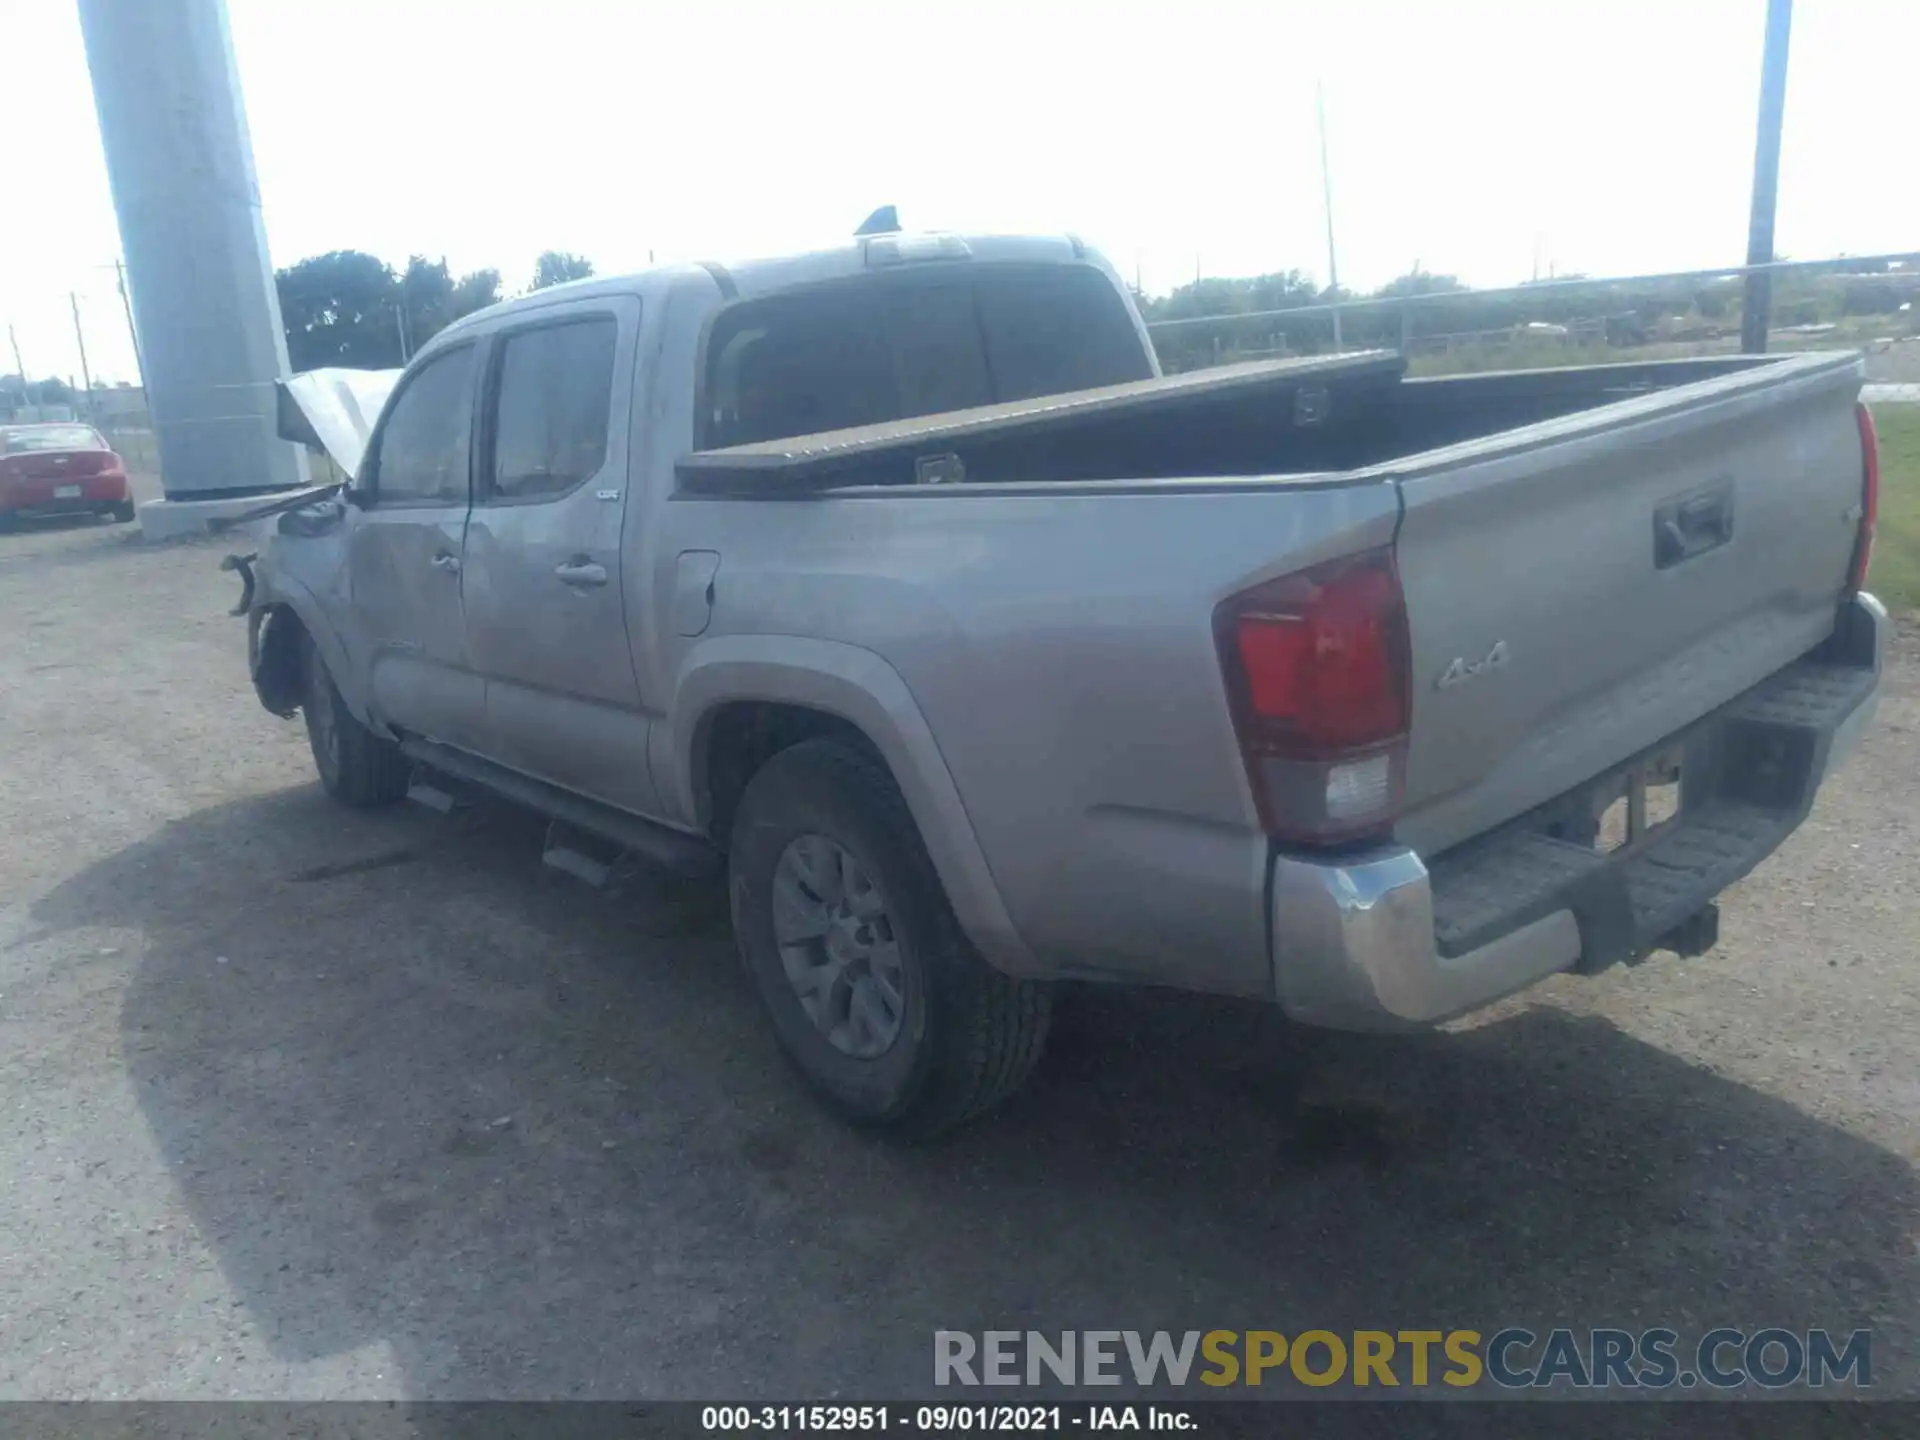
1692, 524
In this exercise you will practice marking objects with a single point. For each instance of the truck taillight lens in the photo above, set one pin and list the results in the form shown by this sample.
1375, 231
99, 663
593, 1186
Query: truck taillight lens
1316, 667
1869, 497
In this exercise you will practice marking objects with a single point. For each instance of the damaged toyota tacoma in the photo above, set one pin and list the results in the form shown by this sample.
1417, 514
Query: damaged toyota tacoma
896, 584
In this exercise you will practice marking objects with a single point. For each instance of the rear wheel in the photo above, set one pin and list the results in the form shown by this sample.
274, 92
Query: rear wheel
122, 512
876, 996
356, 766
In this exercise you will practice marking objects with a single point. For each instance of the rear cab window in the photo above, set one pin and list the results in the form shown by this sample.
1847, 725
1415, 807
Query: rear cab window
26, 440
553, 401
916, 342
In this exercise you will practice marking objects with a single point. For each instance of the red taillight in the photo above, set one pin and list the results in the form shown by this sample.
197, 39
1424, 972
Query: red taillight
1869, 497
1316, 666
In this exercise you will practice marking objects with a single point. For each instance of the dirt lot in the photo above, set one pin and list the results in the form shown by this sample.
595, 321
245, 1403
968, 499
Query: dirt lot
296, 1102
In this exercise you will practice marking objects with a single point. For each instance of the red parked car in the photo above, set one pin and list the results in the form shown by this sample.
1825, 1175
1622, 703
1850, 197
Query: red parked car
62, 469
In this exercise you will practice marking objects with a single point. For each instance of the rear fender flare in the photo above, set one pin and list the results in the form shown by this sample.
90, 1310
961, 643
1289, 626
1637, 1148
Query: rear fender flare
861, 688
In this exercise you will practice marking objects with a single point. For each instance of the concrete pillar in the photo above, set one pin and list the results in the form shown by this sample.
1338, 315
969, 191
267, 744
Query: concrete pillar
174, 130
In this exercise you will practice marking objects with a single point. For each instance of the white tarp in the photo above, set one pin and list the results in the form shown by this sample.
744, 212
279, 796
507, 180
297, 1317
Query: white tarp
334, 410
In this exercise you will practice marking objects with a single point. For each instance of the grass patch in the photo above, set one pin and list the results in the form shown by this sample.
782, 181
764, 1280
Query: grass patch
1528, 354
1895, 576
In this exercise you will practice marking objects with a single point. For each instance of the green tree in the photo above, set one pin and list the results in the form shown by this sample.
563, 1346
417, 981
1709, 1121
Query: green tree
1419, 282
1208, 345
1281, 290
349, 308
15, 390
426, 292
475, 291
556, 267
341, 308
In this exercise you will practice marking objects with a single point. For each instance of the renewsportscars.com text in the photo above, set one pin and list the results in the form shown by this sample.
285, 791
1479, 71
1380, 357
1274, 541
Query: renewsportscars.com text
1512, 1358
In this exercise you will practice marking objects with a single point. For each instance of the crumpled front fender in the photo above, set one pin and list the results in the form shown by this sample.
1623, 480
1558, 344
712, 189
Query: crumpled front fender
298, 589
276, 656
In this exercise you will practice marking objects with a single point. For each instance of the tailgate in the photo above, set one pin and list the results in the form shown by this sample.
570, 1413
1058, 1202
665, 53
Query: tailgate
1579, 590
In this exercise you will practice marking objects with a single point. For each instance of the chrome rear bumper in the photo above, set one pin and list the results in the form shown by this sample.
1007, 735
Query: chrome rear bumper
1384, 942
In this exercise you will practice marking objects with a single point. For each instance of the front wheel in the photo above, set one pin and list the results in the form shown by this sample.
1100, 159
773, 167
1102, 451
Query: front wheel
356, 767
876, 996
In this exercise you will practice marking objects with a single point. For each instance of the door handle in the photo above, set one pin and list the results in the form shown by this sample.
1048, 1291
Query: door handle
446, 562
581, 572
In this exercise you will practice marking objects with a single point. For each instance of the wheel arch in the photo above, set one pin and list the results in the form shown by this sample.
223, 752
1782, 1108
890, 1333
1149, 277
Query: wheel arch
783, 689
280, 601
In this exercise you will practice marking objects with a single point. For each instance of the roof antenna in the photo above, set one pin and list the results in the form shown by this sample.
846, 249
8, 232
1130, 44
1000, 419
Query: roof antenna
884, 221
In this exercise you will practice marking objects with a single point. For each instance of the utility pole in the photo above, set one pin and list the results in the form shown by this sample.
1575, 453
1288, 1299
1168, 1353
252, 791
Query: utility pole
1326, 195
80, 339
20, 367
1758, 307
133, 334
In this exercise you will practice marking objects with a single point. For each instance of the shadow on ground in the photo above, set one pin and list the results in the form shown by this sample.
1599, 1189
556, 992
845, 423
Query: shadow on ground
536, 1140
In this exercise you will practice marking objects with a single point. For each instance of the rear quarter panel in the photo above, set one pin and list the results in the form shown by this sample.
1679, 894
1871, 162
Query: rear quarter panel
1059, 644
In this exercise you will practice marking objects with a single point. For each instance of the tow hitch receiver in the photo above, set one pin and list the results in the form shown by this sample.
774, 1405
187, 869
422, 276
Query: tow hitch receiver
1696, 934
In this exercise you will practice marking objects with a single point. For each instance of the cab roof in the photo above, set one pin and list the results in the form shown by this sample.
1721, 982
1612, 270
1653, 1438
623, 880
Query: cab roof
770, 274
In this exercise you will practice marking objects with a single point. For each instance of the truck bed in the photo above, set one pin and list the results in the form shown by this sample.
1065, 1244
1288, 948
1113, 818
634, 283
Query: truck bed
1556, 627
1270, 419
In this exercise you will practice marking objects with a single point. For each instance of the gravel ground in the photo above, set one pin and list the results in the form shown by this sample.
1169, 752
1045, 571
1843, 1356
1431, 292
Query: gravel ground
302, 1103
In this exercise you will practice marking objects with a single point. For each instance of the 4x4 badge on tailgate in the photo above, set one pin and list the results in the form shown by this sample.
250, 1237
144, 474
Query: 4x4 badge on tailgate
1461, 669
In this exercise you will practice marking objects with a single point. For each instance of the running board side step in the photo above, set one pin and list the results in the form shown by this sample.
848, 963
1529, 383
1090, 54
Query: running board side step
671, 850
422, 790
575, 852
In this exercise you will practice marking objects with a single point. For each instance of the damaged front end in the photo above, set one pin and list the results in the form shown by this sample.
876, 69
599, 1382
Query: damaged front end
276, 657
293, 585
292, 588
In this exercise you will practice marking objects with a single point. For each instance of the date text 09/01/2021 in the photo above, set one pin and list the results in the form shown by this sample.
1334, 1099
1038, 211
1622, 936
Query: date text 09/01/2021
945, 1418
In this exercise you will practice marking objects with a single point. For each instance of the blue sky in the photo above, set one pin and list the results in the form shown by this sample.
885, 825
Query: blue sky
1473, 138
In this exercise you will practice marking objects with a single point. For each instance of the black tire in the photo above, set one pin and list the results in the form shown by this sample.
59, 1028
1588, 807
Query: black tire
121, 513
356, 767
967, 1035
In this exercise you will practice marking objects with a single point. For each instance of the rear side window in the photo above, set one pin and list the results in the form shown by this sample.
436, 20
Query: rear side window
893, 346
939, 360
797, 364
424, 444
554, 398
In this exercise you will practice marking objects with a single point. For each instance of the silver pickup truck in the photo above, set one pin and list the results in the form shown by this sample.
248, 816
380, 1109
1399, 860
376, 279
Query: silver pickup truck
896, 582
